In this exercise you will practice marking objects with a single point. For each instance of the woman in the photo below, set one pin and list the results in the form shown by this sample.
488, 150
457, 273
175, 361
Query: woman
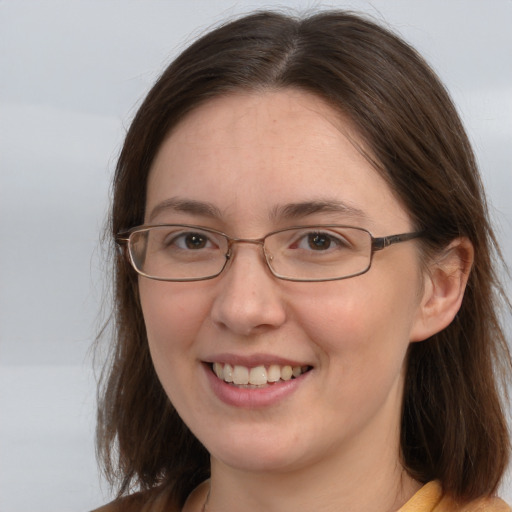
306, 299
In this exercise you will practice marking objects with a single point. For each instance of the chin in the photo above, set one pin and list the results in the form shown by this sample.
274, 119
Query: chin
259, 452
255, 462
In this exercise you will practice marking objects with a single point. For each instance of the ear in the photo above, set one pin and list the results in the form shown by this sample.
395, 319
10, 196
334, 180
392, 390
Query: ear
444, 285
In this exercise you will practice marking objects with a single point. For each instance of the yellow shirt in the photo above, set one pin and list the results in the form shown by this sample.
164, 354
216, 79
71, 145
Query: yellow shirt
428, 499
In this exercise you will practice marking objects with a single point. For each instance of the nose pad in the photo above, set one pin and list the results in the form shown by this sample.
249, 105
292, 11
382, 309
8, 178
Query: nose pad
230, 254
249, 296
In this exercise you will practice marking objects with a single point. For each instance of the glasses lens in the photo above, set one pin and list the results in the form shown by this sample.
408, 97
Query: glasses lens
319, 253
178, 252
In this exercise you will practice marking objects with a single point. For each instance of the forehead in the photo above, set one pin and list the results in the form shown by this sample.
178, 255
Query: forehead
249, 154
277, 120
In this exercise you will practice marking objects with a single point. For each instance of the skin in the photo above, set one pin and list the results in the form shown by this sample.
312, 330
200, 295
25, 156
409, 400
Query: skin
333, 444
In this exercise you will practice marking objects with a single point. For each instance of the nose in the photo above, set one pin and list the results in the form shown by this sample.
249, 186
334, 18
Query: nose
249, 298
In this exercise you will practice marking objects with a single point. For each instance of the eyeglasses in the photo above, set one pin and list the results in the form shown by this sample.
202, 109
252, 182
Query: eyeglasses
180, 252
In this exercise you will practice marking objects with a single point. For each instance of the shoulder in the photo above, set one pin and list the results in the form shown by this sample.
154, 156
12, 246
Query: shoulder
126, 504
154, 500
481, 505
430, 499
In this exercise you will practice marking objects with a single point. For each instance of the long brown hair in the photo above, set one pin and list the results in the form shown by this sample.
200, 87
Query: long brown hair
453, 424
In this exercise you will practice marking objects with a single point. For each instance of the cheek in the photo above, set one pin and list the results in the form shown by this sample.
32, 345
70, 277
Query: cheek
363, 329
172, 315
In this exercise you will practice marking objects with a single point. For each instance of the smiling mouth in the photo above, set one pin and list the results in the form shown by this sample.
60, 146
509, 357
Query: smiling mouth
258, 376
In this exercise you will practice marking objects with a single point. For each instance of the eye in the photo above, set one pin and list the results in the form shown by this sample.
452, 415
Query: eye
191, 241
320, 241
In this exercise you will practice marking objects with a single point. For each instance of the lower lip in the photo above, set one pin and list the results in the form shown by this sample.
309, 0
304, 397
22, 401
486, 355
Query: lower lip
252, 398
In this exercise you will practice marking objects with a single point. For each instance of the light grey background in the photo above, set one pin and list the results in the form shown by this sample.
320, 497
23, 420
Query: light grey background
71, 76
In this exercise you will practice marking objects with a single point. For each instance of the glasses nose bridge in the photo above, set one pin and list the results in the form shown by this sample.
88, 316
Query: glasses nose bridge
252, 241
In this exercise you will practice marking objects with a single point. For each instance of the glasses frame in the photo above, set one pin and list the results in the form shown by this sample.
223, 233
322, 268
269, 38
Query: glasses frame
122, 239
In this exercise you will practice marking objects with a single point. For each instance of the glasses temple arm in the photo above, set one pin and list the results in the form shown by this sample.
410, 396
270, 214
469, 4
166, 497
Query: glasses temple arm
381, 243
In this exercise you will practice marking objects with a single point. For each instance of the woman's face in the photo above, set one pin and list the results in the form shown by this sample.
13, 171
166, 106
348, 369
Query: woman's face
249, 164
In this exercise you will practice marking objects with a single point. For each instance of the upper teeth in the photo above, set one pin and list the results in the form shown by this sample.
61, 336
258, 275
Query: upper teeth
257, 376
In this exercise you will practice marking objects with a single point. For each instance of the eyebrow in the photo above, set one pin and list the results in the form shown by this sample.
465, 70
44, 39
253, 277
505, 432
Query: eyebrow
306, 208
191, 206
288, 211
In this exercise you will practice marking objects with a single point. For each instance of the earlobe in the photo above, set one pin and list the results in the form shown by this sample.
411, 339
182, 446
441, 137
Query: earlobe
445, 284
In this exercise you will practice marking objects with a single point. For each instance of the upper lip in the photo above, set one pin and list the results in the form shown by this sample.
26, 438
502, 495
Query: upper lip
251, 361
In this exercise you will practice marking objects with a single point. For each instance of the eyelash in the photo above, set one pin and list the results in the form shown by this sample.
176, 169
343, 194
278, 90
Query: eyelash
329, 237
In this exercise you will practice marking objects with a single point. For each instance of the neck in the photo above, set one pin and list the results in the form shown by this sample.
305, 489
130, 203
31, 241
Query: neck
360, 486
